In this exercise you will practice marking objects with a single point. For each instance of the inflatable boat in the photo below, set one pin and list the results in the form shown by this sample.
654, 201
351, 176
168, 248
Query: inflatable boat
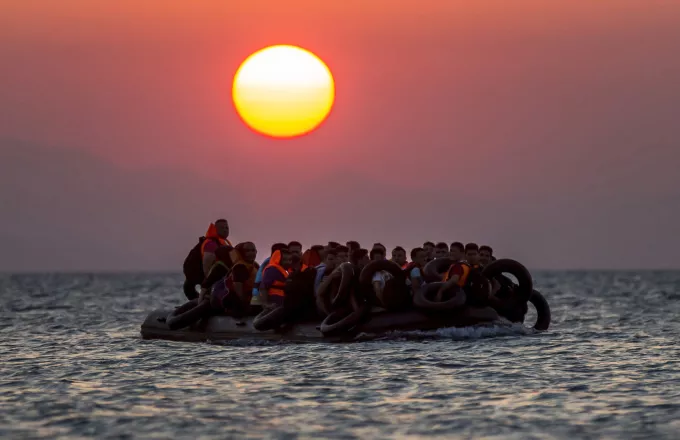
194, 323
225, 328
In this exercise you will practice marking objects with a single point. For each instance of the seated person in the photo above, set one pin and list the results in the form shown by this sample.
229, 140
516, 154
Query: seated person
466, 275
243, 272
399, 257
342, 254
414, 276
429, 250
381, 277
324, 269
272, 287
258, 277
485, 255
457, 251
441, 250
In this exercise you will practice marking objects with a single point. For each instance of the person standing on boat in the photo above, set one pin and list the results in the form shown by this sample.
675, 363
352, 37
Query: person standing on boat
202, 256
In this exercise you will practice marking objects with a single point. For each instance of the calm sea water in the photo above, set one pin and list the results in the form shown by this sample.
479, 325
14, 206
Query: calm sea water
73, 366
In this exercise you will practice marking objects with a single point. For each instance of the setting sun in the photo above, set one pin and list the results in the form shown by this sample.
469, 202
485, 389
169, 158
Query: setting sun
283, 91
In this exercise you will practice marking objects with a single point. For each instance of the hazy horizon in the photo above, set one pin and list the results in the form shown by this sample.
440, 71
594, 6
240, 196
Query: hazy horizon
546, 130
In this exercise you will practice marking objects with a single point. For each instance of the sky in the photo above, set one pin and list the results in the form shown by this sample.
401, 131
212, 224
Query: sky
548, 130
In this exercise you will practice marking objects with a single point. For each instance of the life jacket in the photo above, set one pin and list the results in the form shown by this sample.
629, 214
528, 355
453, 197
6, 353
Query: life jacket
211, 234
277, 288
463, 278
252, 271
311, 258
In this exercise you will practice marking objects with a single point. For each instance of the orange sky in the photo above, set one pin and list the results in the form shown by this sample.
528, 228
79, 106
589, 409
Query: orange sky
546, 109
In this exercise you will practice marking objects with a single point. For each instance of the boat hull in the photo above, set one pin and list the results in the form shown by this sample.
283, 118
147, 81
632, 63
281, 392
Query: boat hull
225, 328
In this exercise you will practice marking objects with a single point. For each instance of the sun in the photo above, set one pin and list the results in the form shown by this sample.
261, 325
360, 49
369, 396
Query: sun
283, 91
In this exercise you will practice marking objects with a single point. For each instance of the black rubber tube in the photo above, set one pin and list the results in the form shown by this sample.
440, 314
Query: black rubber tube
328, 289
270, 319
542, 310
188, 314
342, 321
435, 269
506, 265
366, 276
398, 295
346, 271
423, 299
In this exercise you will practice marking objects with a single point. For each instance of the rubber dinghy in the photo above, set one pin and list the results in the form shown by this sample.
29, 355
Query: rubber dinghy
225, 328
358, 311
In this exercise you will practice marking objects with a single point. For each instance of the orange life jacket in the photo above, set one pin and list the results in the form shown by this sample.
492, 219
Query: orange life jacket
310, 258
211, 235
277, 288
463, 278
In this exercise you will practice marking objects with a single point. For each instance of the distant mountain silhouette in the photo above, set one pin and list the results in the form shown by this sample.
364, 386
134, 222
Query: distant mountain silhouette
68, 210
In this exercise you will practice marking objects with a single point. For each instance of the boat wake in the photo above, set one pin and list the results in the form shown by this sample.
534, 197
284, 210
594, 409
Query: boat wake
498, 329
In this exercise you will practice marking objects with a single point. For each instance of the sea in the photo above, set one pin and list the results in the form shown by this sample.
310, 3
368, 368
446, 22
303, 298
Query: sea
73, 365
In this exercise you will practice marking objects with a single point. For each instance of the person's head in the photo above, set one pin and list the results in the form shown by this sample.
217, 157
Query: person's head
359, 257
295, 248
286, 258
333, 244
279, 247
419, 256
399, 255
353, 245
380, 246
441, 250
428, 246
222, 227
457, 251
223, 254
343, 254
319, 249
295, 262
472, 253
331, 260
248, 251
377, 254
485, 255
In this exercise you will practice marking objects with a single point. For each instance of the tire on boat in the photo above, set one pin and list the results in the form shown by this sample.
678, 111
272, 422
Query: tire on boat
328, 289
505, 265
432, 272
542, 310
270, 319
423, 299
342, 321
346, 274
187, 314
396, 286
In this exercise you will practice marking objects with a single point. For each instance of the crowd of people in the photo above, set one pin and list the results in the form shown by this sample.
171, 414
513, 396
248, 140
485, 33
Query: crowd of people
231, 280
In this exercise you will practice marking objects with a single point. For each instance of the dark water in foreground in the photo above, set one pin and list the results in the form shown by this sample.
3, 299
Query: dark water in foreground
73, 365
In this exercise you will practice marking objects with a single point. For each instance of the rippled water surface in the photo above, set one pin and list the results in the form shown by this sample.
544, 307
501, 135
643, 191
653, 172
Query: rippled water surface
73, 365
